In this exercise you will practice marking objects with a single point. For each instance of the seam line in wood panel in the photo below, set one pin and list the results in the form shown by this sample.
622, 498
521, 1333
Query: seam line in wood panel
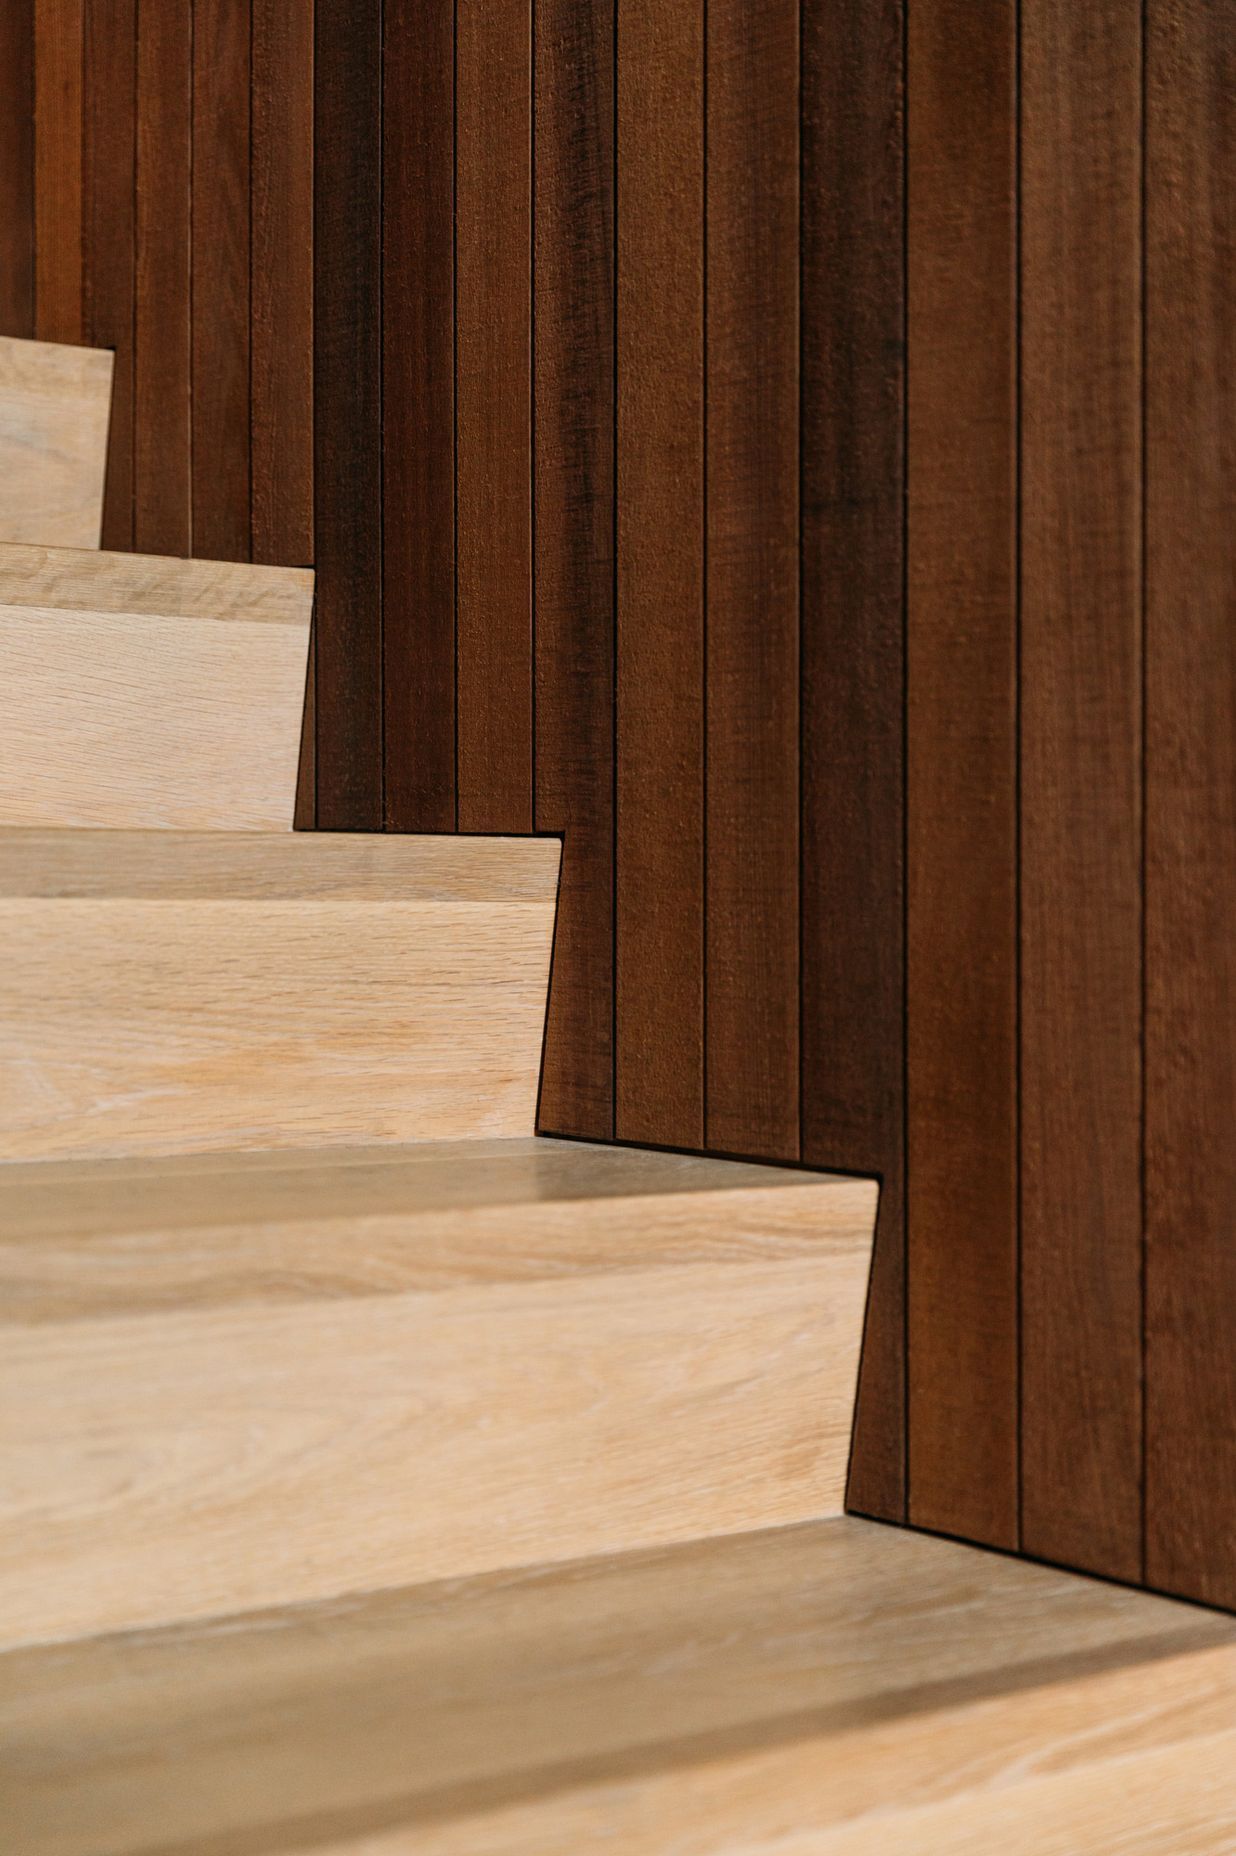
383, 818
903, 1236
801, 626
613, 627
1144, 763
192, 264
705, 377
1017, 718
455, 384
532, 693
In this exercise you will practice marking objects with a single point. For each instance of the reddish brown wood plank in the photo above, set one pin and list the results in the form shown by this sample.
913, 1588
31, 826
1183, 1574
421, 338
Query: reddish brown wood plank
752, 565
1080, 770
281, 331
348, 412
853, 678
1190, 799
962, 1212
220, 309
573, 486
418, 417
493, 375
58, 170
660, 616
109, 257
162, 441
17, 168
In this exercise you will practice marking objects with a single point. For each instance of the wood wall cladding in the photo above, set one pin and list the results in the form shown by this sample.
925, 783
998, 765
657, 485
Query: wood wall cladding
785, 448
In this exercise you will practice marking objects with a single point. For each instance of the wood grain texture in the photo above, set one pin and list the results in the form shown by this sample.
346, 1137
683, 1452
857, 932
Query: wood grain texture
962, 771
573, 490
162, 450
418, 417
1081, 733
281, 325
660, 584
222, 160
1190, 802
813, 1688
54, 408
493, 432
347, 411
58, 170
109, 233
569, 1376
852, 665
220, 1013
17, 169
752, 704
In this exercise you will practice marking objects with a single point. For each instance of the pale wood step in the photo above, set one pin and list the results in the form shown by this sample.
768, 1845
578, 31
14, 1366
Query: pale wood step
162, 992
320, 1373
55, 409
139, 691
837, 1688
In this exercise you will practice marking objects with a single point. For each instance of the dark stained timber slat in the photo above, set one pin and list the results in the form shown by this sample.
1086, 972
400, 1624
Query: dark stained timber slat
162, 379
58, 60
109, 230
17, 168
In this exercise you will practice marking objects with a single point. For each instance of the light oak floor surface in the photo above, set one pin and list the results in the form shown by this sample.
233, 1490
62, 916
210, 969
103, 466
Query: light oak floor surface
836, 1687
55, 407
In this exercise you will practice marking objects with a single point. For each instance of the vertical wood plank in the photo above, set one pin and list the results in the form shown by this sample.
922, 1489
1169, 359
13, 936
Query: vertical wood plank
1080, 771
418, 417
58, 51
281, 331
162, 449
752, 902
493, 212
220, 308
348, 412
660, 616
962, 770
1190, 799
17, 168
109, 235
853, 678
573, 486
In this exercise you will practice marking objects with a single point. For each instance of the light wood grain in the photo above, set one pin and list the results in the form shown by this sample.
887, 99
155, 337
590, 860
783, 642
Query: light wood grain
835, 1687
207, 991
410, 1368
55, 405
146, 692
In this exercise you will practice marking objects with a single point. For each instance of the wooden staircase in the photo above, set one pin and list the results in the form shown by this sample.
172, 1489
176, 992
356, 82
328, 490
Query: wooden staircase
379, 1477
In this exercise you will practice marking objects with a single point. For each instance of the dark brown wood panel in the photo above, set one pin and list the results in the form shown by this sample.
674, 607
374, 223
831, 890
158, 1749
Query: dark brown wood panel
752, 704
347, 239
853, 386
493, 373
109, 234
660, 617
573, 488
418, 417
1080, 772
162, 445
17, 168
58, 29
281, 331
1191, 799
962, 1214
222, 31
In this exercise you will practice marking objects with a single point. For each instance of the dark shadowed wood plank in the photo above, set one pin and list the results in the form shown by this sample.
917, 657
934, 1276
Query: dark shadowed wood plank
162, 439
853, 1017
58, 170
418, 417
573, 486
1191, 799
752, 542
660, 874
1081, 813
494, 417
962, 770
221, 150
348, 412
17, 168
281, 332
109, 234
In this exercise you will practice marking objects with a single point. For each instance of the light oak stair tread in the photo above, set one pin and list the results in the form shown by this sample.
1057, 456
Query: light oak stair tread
55, 408
835, 1687
142, 692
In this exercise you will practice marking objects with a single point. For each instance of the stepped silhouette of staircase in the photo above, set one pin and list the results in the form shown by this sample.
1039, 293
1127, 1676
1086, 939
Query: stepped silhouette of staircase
377, 1476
